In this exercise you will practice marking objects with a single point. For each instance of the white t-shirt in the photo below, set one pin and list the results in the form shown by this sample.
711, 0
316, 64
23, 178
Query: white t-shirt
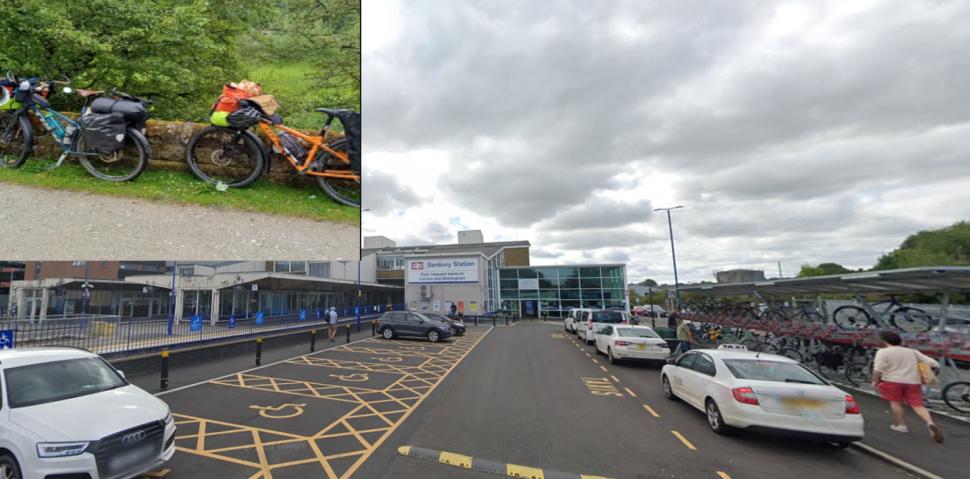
898, 364
333, 317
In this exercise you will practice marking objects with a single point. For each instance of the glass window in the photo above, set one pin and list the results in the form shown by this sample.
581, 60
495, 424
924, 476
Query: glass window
549, 294
612, 317
547, 273
637, 333
510, 294
687, 361
705, 365
767, 370
614, 294
569, 293
591, 283
523, 294
548, 283
510, 284
528, 273
595, 294
565, 273
613, 283
297, 267
572, 283
508, 274
59, 380
320, 270
589, 272
613, 272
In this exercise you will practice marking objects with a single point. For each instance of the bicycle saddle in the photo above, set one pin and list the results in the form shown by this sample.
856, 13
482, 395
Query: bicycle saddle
330, 111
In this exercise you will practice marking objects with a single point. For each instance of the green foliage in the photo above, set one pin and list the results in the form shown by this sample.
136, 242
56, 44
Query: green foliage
948, 246
648, 282
822, 269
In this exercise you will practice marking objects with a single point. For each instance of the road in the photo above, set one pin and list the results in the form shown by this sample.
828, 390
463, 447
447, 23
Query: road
37, 223
524, 395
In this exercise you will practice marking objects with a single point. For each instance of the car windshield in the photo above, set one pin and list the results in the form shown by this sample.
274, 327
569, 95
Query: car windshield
59, 380
768, 370
636, 333
607, 317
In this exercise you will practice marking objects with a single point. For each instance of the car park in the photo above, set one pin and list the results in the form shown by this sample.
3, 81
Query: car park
590, 319
67, 413
740, 389
457, 325
619, 342
395, 324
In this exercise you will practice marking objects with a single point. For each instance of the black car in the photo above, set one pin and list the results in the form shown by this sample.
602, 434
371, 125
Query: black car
457, 326
403, 323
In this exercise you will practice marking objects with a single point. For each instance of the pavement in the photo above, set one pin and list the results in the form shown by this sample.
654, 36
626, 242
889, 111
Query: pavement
132, 229
524, 399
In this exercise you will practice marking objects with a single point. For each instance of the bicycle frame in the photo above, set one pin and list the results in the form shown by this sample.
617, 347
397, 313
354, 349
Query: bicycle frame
317, 143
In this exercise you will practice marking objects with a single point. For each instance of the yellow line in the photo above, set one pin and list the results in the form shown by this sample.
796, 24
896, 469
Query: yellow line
595, 361
604, 369
723, 475
614, 378
459, 460
651, 411
628, 391
515, 470
683, 440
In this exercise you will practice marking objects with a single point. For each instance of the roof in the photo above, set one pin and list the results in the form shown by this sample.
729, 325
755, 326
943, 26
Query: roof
487, 249
27, 356
896, 281
736, 354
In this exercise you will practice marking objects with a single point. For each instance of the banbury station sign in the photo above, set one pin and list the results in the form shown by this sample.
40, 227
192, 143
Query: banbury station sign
444, 270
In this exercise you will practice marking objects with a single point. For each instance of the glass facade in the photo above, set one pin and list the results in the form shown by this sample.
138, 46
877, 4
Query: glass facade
550, 291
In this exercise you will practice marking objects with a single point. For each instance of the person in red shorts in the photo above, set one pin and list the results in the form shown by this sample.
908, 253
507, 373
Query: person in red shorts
897, 378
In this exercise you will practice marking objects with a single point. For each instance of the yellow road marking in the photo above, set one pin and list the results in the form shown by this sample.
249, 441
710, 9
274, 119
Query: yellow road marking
723, 475
161, 473
651, 411
628, 391
515, 470
614, 378
297, 410
683, 440
453, 459
595, 361
604, 369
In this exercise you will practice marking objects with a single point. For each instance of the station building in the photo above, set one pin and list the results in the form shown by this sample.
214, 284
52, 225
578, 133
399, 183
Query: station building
480, 277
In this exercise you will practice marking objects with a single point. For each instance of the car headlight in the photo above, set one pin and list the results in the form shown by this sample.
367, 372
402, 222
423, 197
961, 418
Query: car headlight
60, 449
169, 420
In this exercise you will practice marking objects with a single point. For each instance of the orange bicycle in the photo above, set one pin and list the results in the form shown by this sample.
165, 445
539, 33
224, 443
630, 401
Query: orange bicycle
234, 156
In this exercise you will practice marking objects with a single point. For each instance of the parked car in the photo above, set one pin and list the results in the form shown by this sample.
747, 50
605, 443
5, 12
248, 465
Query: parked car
457, 325
404, 323
762, 392
593, 318
66, 412
619, 342
569, 323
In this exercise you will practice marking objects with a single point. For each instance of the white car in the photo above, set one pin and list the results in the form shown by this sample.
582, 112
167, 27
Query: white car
620, 342
762, 392
569, 322
591, 319
68, 413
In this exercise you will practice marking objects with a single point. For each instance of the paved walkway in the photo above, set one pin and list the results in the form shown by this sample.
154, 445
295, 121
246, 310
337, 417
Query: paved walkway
39, 224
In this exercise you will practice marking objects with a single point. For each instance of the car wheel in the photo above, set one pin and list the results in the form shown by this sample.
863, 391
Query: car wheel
433, 336
9, 469
714, 418
839, 444
388, 333
609, 353
668, 392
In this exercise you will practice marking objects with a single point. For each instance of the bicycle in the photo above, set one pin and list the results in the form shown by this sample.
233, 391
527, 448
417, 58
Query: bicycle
902, 317
17, 134
236, 157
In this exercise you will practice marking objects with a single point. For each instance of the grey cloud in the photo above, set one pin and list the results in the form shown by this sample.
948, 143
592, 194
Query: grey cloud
586, 240
383, 192
599, 212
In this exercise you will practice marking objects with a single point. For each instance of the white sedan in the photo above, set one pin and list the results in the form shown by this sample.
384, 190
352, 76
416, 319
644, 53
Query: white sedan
68, 413
623, 341
762, 392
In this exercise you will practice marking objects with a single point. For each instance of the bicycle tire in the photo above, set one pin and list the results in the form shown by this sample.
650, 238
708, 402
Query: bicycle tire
914, 320
135, 144
772, 315
957, 396
848, 317
206, 156
345, 192
858, 368
17, 155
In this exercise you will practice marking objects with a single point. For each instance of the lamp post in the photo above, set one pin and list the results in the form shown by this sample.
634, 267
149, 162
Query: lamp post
359, 260
673, 253
171, 298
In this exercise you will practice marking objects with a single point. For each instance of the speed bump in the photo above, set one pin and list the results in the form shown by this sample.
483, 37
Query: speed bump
489, 466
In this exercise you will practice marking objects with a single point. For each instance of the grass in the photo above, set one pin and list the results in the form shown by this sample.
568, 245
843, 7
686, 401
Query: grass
184, 188
298, 96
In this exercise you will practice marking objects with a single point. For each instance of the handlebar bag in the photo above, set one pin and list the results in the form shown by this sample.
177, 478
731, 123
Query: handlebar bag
103, 133
135, 113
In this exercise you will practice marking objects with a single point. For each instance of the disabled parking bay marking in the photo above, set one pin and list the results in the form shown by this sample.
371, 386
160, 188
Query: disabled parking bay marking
297, 410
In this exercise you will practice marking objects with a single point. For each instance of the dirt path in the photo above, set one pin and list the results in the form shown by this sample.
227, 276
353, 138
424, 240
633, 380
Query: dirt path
39, 224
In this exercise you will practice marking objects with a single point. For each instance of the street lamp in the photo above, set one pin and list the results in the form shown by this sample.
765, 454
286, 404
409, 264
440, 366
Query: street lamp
359, 259
673, 252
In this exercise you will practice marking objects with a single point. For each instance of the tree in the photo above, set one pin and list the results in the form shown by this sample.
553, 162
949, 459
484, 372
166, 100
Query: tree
949, 246
822, 269
648, 282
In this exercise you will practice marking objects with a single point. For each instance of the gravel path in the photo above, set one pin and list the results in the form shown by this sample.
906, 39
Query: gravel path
39, 224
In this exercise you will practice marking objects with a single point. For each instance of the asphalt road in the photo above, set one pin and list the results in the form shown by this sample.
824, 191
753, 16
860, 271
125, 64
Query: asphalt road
36, 223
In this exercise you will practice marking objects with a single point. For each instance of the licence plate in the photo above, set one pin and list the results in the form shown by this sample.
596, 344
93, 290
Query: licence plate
642, 346
801, 403
129, 459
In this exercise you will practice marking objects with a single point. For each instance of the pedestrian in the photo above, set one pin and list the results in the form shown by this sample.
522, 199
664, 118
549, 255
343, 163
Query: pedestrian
673, 317
896, 375
454, 310
333, 324
684, 335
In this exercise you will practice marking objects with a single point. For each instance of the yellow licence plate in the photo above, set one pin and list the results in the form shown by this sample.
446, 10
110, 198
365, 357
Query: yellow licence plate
801, 403
642, 346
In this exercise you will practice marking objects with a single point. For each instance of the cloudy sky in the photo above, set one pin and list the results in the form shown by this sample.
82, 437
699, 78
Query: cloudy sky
799, 132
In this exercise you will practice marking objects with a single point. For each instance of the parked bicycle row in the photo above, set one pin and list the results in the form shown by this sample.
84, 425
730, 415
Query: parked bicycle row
108, 137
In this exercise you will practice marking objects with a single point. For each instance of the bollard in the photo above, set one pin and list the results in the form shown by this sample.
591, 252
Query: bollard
493, 321
476, 320
373, 327
313, 340
259, 350
348, 333
506, 320
164, 380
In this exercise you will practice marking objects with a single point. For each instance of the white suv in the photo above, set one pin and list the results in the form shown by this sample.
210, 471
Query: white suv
589, 321
68, 412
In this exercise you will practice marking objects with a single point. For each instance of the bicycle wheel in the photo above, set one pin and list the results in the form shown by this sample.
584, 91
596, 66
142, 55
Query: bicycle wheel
851, 317
16, 140
124, 164
957, 396
225, 156
911, 320
858, 367
343, 191
792, 353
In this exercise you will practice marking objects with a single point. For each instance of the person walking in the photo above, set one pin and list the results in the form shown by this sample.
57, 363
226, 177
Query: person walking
333, 324
896, 375
672, 318
684, 335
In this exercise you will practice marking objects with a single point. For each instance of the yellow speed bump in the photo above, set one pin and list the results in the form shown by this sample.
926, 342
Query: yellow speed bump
489, 466
453, 459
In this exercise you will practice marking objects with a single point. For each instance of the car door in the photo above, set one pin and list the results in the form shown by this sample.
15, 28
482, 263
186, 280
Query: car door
699, 378
677, 373
603, 336
415, 325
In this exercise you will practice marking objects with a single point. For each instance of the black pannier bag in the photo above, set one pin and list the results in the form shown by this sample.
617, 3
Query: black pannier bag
351, 122
103, 133
135, 113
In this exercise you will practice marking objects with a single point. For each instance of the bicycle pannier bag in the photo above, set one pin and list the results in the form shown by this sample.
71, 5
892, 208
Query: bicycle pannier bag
103, 133
351, 122
134, 112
